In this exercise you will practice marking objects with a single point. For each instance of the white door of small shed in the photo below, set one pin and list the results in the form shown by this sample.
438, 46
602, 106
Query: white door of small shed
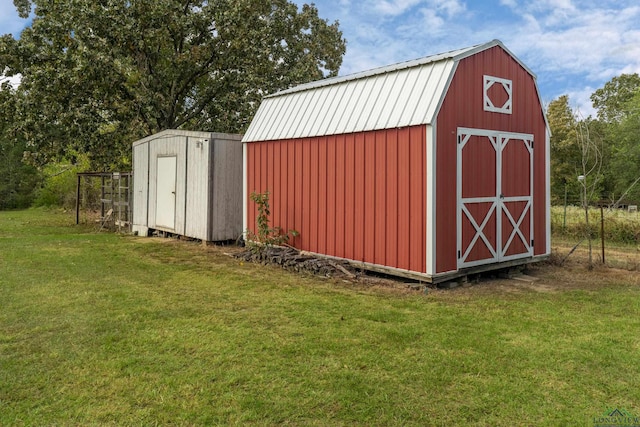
166, 192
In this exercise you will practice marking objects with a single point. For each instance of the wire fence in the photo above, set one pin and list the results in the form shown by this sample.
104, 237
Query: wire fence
615, 233
103, 198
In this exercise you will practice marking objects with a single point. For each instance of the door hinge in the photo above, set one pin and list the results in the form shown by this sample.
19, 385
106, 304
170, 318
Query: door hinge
532, 145
459, 254
459, 139
531, 242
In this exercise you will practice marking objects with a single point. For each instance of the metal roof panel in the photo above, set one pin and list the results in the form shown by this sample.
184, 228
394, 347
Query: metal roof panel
398, 95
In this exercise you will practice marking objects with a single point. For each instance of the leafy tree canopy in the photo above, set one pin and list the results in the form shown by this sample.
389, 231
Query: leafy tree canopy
616, 132
617, 103
98, 74
624, 139
18, 181
612, 100
565, 153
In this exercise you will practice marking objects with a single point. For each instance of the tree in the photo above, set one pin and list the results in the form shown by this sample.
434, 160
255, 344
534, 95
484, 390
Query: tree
612, 99
625, 158
590, 174
18, 181
97, 74
576, 159
565, 152
618, 102
573, 140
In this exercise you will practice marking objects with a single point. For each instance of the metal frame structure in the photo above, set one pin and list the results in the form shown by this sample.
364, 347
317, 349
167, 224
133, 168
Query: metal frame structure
116, 191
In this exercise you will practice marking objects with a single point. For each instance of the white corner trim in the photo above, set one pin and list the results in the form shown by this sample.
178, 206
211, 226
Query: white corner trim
430, 165
245, 183
547, 184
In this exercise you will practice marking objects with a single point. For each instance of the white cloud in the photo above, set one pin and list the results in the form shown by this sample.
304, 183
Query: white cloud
570, 44
431, 20
13, 80
450, 7
394, 7
596, 43
552, 5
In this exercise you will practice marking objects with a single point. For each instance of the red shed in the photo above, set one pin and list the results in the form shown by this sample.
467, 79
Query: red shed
431, 168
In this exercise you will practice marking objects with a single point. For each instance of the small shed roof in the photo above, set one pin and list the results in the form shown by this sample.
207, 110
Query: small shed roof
404, 94
187, 133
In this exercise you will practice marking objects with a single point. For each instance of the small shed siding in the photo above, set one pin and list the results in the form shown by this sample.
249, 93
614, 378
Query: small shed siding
345, 200
314, 153
350, 195
380, 194
225, 198
340, 194
463, 107
390, 219
368, 209
359, 199
404, 196
417, 199
140, 187
197, 187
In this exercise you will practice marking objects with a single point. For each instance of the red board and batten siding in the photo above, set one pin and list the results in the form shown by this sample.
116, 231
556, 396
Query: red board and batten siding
359, 196
463, 107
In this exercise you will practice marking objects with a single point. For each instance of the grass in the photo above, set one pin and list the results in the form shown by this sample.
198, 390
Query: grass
100, 329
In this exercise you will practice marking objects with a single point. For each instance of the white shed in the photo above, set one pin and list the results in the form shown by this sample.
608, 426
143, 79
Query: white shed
188, 183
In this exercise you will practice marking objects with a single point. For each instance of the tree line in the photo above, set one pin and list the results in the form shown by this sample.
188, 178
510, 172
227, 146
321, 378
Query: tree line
99, 74
603, 150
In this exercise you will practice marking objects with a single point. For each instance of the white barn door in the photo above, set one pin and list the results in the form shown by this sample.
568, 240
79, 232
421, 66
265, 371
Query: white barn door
494, 196
166, 192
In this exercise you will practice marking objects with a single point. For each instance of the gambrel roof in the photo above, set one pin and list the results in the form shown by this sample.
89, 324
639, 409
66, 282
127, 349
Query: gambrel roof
404, 94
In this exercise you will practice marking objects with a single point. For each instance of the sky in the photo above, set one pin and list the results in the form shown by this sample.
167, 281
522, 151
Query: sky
573, 46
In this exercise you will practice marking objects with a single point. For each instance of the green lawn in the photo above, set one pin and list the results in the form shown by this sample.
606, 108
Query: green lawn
101, 329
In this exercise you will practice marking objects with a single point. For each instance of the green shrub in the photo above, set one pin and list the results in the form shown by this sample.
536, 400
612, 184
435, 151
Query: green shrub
266, 235
18, 180
59, 188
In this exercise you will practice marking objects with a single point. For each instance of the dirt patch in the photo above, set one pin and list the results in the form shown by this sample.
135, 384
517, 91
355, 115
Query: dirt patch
551, 278
543, 277
138, 239
546, 277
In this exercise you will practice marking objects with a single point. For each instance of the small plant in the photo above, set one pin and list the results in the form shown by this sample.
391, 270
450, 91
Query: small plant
266, 236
